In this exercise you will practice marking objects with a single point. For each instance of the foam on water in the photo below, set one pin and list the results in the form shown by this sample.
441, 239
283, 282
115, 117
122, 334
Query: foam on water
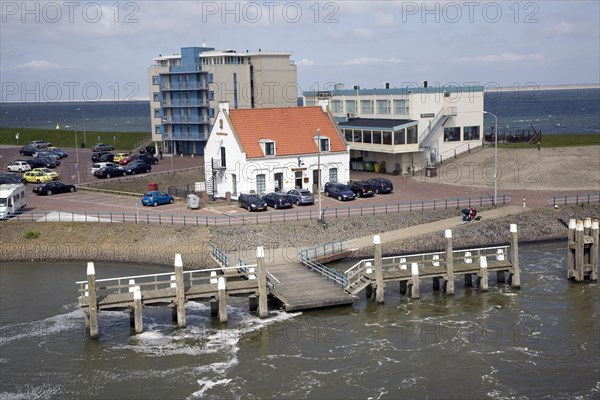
43, 329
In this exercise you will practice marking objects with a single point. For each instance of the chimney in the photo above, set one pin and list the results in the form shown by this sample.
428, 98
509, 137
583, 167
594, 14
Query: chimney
424, 84
324, 104
224, 106
387, 85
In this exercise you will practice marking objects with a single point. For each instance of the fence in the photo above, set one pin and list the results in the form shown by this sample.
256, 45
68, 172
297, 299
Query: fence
588, 198
258, 218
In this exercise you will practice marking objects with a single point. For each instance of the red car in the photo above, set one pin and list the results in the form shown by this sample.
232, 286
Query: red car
127, 160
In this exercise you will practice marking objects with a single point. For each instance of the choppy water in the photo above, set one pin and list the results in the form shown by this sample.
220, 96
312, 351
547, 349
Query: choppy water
539, 342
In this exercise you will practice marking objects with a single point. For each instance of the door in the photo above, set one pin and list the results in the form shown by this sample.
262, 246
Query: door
278, 181
298, 176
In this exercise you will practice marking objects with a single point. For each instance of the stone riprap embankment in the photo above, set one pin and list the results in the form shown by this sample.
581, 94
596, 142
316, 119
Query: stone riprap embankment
155, 244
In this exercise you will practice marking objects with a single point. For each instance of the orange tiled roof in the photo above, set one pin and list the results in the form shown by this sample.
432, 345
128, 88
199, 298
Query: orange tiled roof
292, 129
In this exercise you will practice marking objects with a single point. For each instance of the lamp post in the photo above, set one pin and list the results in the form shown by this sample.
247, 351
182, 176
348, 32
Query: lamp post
319, 172
77, 159
495, 156
83, 117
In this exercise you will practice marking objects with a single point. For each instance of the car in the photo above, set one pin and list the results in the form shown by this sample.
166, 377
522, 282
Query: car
50, 188
382, 185
301, 196
19, 166
137, 167
145, 157
28, 150
126, 160
37, 163
252, 202
60, 153
53, 174
109, 172
11, 178
40, 144
36, 177
97, 154
49, 162
120, 156
278, 200
102, 147
46, 154
361, 188
107, 157
99, 165
157, 197
148, 150
339, 191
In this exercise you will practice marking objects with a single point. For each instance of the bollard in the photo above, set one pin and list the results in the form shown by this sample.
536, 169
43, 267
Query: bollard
263, 310
500, 277
449, 284
595, 233
523, 201
483, 274
579, 249
571, 249
252, 302
213, 277
132, 286
92, 301
415, 280
222, 300
214, 307
402, 263
379, 291
137, 310
514, 245
179, 291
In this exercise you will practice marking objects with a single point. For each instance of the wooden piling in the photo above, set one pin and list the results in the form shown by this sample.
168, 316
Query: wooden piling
579, 248
403, 287
214, 307
468, 280
594, 248
571, 249
483, 274
252, 303
449, 284
137, 310
93, 301
379, 291
415, 280
514, 245
263, 310
222, 300
179, 291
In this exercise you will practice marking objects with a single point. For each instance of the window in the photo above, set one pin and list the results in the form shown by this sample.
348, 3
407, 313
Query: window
324, 144
366, 107
377, 137
157, 113
383, 106
451, 134
387, 138
401, 107
348, 134
223, 159
211, 112
399, 137
471, 133
316, 176
269, 148
155, 96
211, 95
260, 183
351, 106
336, 107
157, 129
210, 78
333, 174
155, 80
278, 181
411, 135
357, 136
367, 137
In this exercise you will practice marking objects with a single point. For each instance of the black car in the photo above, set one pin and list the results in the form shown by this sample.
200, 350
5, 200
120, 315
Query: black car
11, 178
145, 157
60, 153
137, 167
252, 202
362, 188
108, 157
97, 154
28, 150
50, 188
41, 162
339, 191
102, 147
109, 172
381, 185
278, 200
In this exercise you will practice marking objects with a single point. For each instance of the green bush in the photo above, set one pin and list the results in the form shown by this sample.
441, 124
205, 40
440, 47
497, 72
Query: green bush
31, 234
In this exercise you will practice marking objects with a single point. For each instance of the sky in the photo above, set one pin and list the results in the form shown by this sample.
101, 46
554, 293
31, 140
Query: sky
90, 50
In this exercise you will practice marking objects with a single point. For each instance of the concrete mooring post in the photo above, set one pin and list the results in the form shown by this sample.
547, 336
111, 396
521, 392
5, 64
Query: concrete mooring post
263, 310
222, 300
579, 249
137, 310
449, 284
582, 256
483, 274
570, 249
379, 291
514, 247
92, 314
594, 249
415, 280
179, 291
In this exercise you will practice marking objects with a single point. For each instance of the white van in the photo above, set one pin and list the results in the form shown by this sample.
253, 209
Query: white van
12, 199
100, 165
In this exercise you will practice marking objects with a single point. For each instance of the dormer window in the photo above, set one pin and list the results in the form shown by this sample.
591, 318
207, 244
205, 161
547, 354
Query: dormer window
268, 147
324, 144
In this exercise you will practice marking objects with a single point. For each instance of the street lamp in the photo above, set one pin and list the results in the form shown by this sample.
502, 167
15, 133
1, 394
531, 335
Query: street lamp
495, 156
319, 171
77, 157
83, 116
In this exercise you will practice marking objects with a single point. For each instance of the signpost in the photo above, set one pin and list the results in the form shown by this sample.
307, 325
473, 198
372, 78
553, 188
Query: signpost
17, 137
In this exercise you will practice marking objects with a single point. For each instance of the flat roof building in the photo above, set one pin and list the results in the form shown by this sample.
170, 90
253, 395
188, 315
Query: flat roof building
186, 88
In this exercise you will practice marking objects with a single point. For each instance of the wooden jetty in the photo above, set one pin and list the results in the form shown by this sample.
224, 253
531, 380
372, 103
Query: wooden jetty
582, 249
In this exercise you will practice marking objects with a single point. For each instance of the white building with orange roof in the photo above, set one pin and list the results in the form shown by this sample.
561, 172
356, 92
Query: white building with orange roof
273, 149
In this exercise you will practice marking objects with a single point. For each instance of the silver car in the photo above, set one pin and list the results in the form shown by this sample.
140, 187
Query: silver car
301, 196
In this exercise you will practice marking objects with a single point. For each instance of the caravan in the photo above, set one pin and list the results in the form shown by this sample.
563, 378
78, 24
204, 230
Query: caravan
12, 199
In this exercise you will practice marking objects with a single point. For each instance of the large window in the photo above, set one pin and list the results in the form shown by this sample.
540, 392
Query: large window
156, 96
261, 186
387, 138
411, 135
399, 137
157, 113
383, 106
451, 134
351, 106
401, 107
324, 144
357, 136
155, 80
336, 107
348, 134
471, 133
367, 137
333, 174
366, 106
377, 137
269, 148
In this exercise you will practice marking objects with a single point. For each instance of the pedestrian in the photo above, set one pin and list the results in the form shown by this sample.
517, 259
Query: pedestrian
160, 153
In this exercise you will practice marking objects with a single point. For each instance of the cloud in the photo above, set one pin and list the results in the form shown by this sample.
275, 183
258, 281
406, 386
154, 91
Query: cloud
305, 62
494, 58
39, 65
373, 60
567, 28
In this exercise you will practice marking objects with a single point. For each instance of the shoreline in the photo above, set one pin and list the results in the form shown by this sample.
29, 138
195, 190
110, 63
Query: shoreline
129, 244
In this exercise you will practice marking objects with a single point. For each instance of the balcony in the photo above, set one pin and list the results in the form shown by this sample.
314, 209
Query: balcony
166, 87
218, 164
183, 103
185, 120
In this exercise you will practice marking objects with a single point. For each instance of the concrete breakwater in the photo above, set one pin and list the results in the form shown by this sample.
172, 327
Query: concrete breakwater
154, 244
